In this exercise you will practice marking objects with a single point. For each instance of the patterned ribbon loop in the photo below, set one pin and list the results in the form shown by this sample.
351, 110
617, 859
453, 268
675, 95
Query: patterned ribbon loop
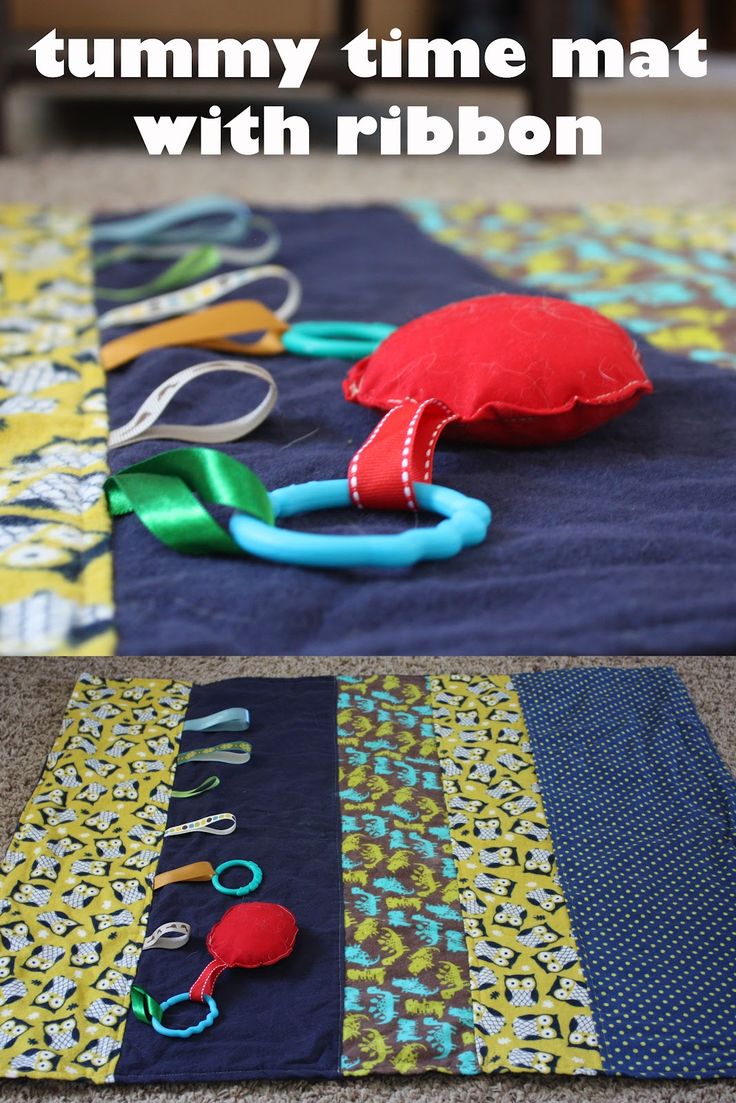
187, 299
204, 826
144, 425
236, 754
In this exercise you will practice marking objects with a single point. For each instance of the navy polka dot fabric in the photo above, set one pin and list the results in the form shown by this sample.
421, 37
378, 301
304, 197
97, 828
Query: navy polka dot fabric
643, 816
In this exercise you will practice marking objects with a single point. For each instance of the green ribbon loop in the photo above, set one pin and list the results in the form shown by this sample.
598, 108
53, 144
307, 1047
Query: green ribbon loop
204, 787
237, 754
144, 1006
194, 265
164, 493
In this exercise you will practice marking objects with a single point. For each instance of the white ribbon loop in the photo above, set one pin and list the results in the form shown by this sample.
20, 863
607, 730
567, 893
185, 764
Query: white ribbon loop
169, 936
143, 424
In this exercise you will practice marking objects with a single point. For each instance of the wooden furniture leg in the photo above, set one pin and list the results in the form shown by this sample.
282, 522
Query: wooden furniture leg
548, 97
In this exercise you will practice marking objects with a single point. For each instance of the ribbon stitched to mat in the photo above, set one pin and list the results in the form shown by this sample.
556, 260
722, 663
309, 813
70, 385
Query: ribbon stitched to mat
162, 493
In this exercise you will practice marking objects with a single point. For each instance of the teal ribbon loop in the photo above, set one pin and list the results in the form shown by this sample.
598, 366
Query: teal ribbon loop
344, 340
235, 719
165, 491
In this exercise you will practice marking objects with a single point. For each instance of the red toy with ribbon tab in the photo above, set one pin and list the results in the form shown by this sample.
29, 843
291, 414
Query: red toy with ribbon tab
507, 370
247, 936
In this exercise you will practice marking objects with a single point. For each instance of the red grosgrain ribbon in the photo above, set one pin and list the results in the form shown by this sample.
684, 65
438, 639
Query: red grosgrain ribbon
204, 985
398, 453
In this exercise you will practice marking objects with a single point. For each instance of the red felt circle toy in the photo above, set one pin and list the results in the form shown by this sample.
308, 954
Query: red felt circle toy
516, 370
253, 934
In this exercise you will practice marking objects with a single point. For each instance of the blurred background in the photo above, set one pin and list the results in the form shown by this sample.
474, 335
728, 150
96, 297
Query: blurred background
665, 141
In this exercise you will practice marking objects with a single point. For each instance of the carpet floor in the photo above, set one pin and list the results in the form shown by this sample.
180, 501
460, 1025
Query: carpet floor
33, 695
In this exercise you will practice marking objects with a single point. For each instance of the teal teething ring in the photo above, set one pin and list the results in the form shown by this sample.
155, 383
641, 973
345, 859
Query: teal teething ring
188, 1031
344, 340
466, 525
252, 885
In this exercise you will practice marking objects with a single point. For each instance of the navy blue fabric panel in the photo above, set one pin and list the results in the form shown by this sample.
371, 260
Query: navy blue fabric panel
282, 1020
643, 818
621, 542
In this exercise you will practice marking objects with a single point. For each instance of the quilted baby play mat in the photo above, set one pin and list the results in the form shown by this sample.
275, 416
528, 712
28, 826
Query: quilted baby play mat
319, 877
612, 534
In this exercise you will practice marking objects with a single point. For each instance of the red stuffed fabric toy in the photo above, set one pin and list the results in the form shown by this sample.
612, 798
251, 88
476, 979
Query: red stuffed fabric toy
248, 935
508, 370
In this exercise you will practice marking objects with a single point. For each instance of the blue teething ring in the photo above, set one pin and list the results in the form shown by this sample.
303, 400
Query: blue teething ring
188, 1031
467, 524
344, 340
253, 884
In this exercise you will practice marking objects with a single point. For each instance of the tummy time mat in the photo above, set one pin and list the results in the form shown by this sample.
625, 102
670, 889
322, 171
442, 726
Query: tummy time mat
320, 877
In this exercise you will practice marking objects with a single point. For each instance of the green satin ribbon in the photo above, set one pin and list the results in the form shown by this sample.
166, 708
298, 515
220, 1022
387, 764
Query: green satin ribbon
194, 265
164, 494
204, 787
144, 1006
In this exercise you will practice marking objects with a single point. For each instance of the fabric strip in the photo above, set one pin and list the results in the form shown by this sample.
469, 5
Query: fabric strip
284, 1020
407, 1003
55, 561
643, 813
77, 880
530, 1004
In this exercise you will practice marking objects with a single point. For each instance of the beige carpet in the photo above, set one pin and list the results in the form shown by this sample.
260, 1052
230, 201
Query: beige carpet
33, 695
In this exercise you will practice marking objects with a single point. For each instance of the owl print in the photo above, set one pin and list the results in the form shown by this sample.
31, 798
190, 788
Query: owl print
104, 921
521, 990
538, 860
86, 954
548, 901
499, 886
487, 1021
59, 923
81, 896
556, 960
536, 1060
128, 891
509, 915
113, 981
570, 991
10, 1031
32, 895
105, 1011
16, 937
499, 856
44, 958
502, 956
99, 1052
56, 993
538, 935
35, 1060
583, 1032
535, 1027
488, 828
482, 978
61, 1034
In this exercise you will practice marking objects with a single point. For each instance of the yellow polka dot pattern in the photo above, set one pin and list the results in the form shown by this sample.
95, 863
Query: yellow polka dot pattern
531, 1008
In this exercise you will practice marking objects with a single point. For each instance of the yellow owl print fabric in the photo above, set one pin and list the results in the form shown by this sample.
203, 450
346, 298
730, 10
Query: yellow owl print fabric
55, 560
77, 879
531, 1007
